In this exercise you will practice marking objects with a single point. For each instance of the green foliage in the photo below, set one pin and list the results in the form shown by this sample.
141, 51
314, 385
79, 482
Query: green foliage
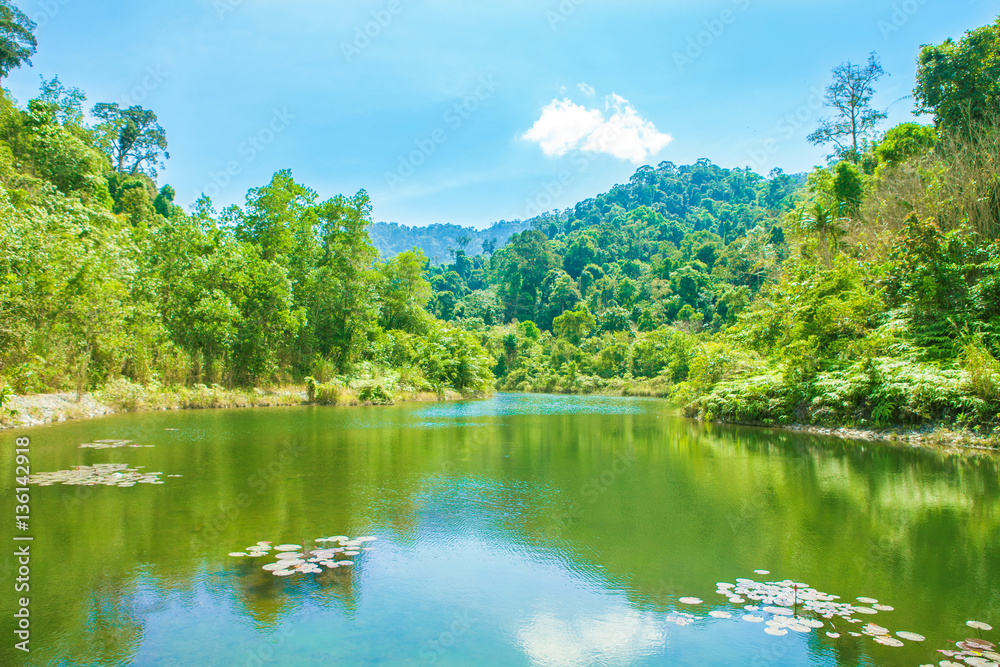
104, 281
375, 394
404, 292
17, 38
131, 138
983, 369
6, 394
574, 325
958, 82
905, 141
867, 293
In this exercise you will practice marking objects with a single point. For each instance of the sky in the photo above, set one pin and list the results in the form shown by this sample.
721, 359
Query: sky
472, 112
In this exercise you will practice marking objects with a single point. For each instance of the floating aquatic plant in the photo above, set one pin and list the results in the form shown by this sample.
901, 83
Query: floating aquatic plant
296, 559
972, 651
112, 444
789, 606
101, 474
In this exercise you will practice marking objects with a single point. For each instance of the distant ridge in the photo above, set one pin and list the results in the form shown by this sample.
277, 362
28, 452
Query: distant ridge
392, 238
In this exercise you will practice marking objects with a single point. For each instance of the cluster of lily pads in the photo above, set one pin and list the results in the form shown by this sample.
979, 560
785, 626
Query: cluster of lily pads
106, 474
784, 606
112, 444
978, 652
293, 559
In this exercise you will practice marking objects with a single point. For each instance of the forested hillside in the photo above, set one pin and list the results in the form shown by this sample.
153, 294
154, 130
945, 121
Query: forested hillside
867, 293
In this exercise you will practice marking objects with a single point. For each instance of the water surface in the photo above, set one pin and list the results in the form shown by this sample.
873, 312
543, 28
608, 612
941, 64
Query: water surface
522, 530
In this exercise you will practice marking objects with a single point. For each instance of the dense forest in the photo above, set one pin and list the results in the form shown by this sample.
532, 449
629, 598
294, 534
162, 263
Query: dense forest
866, 292
104, 279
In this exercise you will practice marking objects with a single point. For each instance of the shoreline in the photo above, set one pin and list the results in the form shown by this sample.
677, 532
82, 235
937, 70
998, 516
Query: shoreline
40, 409
937, 437
941, 437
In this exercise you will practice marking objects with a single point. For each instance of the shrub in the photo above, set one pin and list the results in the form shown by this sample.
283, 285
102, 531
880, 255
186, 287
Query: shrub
375, 394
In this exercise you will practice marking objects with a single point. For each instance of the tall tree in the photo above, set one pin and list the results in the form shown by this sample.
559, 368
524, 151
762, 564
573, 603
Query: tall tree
343, 298
960, 83
17, 38
276, 216
526, 261
132, 138
851, 94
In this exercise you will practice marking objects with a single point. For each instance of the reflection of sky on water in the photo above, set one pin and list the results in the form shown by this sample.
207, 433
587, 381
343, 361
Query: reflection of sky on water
619, 636
470, 598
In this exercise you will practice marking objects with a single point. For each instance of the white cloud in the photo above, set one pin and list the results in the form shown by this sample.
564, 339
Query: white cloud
565, 126
587, 90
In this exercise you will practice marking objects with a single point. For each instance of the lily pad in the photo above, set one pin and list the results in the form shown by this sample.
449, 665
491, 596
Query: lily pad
889, 641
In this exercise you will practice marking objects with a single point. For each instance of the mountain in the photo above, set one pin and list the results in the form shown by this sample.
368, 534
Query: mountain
435, 240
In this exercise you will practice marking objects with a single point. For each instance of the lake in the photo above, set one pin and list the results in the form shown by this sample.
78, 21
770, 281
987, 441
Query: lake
520, 530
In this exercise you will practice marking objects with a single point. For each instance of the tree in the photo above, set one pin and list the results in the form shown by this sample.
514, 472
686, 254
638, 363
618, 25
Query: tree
960, 83
17, 38
574, 325
825, 224
164, 202
404, 291
527, 259
579, 254
132, 138
274, 216
851, 95
66, 102
343, 297
848, 187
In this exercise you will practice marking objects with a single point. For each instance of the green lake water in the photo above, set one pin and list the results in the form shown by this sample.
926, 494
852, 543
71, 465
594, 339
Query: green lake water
521, 530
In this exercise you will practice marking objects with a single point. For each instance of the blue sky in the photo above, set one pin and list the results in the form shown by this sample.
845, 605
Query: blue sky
463, 112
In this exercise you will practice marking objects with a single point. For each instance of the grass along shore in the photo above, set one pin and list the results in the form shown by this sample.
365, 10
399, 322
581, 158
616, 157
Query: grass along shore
124, 396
